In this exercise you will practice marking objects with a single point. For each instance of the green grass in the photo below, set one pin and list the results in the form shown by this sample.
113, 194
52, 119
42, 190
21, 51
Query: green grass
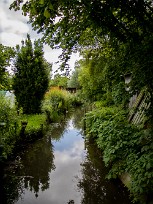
34, 122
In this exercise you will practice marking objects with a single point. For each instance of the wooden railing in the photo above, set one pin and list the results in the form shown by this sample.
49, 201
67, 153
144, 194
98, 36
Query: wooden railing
141, 104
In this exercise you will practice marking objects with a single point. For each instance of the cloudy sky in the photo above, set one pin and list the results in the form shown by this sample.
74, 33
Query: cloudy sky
14, 28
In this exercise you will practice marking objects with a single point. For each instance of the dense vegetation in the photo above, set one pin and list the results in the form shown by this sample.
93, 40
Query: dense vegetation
115, 39
6, 54
27, 111
122, 30
125, 147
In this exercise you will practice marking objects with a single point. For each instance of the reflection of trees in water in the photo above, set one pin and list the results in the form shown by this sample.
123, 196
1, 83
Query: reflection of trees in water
77, 117
30, 171
37, 163
57, 130
93, 185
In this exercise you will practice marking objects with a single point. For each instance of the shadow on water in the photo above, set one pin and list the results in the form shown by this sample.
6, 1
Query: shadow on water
96, 189
57, 170
30, 171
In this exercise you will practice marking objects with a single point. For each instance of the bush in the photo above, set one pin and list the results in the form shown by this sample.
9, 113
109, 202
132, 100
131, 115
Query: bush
8, 127
126, 148
12, 133
56, 102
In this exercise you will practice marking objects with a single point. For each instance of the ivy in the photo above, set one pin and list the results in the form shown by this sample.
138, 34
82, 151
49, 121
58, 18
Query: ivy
126, 148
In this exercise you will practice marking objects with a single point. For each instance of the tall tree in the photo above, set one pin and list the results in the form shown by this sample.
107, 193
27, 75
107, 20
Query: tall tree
73, 82
6, 54
31, 76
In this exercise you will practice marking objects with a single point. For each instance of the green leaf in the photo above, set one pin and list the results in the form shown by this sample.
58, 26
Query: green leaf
41, 1
47, 13
51, 7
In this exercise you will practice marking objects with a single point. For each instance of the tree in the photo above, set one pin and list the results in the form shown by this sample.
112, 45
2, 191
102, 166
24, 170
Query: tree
73, 81
127, 26
31, 76
59, 80
6, 54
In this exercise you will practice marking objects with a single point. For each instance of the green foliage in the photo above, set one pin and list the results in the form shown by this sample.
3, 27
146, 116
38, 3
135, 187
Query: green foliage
6, 54
74, 81
57, 99
119, 94
85, 22
126, 148
91, 80
8, 127
34, 122
31, 76
59, 81
56, 102
7, 82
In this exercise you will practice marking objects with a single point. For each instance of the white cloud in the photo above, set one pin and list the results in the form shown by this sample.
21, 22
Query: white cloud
10, 39
14, 28
52, 57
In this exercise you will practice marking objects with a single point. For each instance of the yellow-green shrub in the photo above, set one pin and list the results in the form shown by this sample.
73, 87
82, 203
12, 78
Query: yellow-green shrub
56, 102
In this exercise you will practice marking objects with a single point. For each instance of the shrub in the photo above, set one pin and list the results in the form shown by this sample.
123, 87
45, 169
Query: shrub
56, 102
126, 148
8, 127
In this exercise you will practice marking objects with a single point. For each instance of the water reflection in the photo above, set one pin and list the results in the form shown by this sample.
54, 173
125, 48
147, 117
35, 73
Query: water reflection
94, 186
69, 152
30, 171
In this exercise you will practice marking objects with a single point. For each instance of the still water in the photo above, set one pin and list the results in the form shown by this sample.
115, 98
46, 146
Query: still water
58, 169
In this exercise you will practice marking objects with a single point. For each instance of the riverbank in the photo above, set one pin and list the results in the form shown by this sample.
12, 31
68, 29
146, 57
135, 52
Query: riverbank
58, 164
126, 149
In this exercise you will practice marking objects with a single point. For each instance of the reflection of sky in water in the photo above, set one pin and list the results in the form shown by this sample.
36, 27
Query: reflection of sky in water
70, 137
69, 153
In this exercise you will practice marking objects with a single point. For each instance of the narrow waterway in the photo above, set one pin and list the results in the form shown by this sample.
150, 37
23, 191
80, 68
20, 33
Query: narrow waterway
58, 169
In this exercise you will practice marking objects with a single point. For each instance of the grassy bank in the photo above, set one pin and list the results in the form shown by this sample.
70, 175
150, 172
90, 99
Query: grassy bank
16, 130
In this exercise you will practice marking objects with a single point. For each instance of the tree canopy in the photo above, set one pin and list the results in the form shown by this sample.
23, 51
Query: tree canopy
66, 23
59, 81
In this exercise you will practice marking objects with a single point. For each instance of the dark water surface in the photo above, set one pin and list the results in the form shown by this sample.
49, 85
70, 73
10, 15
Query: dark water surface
58, 170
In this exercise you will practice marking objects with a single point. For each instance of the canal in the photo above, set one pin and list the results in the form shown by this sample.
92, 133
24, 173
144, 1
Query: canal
60, 169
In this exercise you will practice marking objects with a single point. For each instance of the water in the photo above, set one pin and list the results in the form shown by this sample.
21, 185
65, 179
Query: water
58, 170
